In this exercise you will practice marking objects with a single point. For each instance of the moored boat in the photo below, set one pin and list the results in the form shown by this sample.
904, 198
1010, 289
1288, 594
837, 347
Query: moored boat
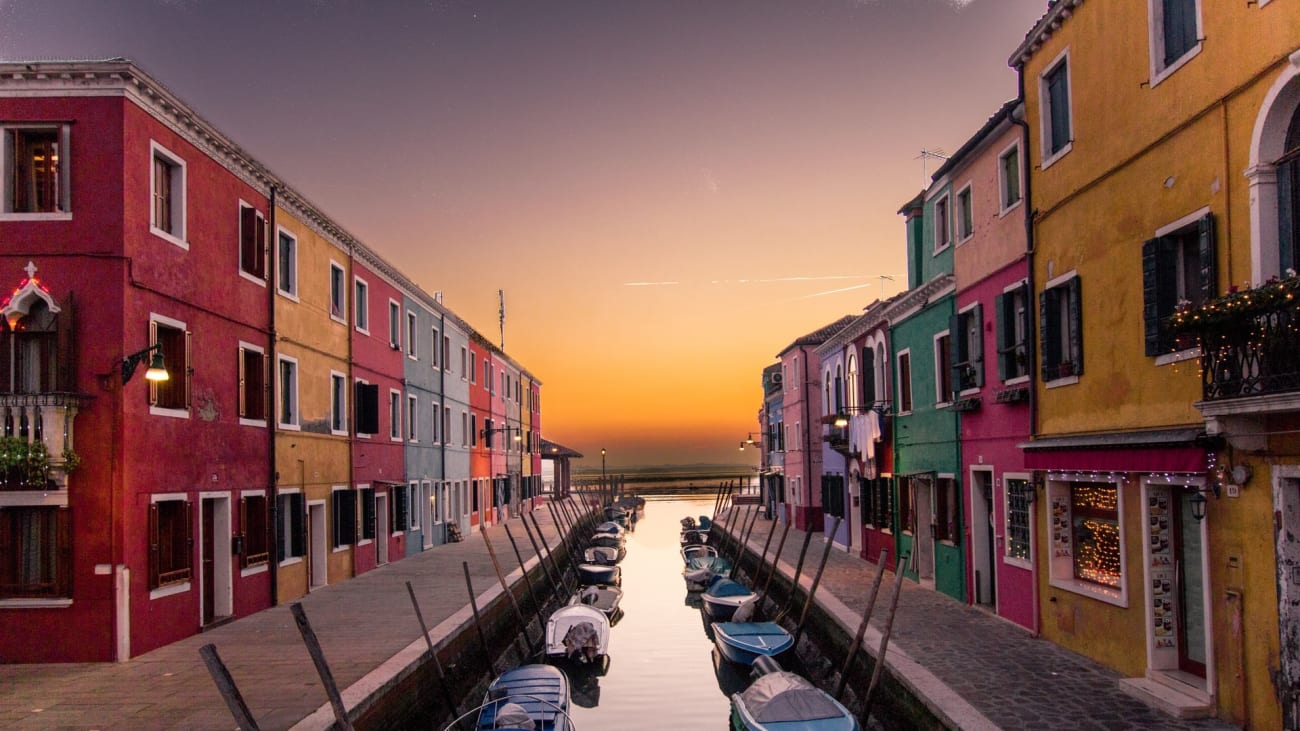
600, 596
697, 550
743, 642
532, 697
593, 573
610, 526
699, 572
784, 701
693, 537
578, 633
602, 555
723, 597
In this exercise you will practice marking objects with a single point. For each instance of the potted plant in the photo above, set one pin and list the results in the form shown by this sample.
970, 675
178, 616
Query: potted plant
71, 460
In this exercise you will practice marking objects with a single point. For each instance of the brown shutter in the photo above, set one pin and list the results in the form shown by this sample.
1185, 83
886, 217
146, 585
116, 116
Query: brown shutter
189, 368
189, 540
153, 385
243, 527
260, 251
243, 394
153, 545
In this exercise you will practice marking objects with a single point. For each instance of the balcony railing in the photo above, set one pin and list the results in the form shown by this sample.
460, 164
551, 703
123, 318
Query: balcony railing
29, 419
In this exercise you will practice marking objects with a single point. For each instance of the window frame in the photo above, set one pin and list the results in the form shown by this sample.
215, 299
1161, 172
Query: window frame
285, 391
394, 324
1009, 543
157, 587
339, 308
252, 561
1161, 68
1160, 287
412, 335
8, 158
289, 540
412, 419
1061, 568
177, 412
177, 194
1065, 328
258, 243
57, 549
394, 415
906, 398
943, 384
244, 399
338, 403
965, 214
1009, 320
361, 304
337, 527
968, 323
283, 234
942, 223
1048, 155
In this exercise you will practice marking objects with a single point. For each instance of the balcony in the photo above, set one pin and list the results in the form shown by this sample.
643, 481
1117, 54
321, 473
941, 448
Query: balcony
1250, 355
29, 420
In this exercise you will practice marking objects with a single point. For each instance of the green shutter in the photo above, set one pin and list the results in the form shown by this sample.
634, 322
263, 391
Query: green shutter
976, 355
1209, 266
1076, 325
1002, 336
1049, 346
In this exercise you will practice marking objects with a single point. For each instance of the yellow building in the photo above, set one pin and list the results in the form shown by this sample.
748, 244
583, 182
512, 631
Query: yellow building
311, 386
1158, 135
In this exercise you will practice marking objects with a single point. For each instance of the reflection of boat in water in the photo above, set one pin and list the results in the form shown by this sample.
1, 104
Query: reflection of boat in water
694, 600
784, 701
532, 697
584, 683
732, 678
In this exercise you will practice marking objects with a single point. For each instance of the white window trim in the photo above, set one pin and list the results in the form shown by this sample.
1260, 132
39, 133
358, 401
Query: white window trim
395, 324
239, 252
1044, 114
279, 262
396, 425
184, 586
963, 311
361, 434
436, 341
254, 422
412, 328
260, 568
344, 420
1052, 284
1007, 559
361, 511
280, 536
65, 194
177, 325
157, 150
936, 249
1155, 26
1119, 596
329, 507
412, 419
898, 357
1002, 178
329, 283
361, 304
413, 498
968, 189
942, 400
295, 425
437, 436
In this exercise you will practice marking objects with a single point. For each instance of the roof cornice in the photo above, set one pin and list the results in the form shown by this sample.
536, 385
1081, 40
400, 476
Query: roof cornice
918, 297
1058, 13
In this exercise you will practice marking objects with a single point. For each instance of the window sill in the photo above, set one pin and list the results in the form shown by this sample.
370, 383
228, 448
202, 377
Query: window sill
291, 561
338, 432
1092, 591
939, 250
363, 330
254, 570
52, 216
1178, 357
1016, 381
1059, 382
943, 404
365, 542
167, 591
338, 318
1003, 213
1018, 563
252, 422
165, 236
170, 413
1050, 161
259, 281
291, 296
1169, 70
340, 549
963, 239
970, 391
288, 427
35, 603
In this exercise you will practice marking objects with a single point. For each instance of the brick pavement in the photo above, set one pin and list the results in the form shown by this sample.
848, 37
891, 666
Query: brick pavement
366, 627
973, 669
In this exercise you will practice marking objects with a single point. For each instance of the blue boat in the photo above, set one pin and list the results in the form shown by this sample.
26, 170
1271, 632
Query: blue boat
784, 701
723, 597
743, 642
699, 572
528, 697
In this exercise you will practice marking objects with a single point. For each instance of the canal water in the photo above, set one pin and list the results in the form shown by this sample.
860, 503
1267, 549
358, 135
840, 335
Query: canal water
661, 673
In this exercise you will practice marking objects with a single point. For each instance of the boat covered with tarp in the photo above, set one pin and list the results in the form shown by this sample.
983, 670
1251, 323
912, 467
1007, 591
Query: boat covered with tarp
723, 597
785, 701
578, 633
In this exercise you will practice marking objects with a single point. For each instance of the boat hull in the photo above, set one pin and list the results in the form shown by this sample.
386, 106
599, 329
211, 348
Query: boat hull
590, 573
541, 690
744, 642
811, 709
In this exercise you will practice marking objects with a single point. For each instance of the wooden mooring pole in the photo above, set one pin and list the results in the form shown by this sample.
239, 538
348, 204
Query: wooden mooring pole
433, 653
758, 567
862, 626
562, 579
776, 558
478, 621
532, 595
798, 571
322, 667
817, 580
514, 603
884, 642
226, 686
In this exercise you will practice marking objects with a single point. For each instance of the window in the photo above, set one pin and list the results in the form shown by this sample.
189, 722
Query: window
1009, 177
437, 435
344, 526
366, 405
904, 382
167, 190
252, 242
394, 415
446, 352
1019, 494
361, 302
412, 419
942, 225
446, 423
1178, 267
170, 542
463, 359
906, 505
833, 495
252, 384
1061, 330
255, 535
413, 520
394, 325
947, 511
1085, 526
942, 372
401, 508
293, 528
36, 162
487, 376
286, 265
338, 297
1012, 312
965, 215
967, 328
410, 336
173, 394
1288, 199
464, 429
1054, 90
367, 513
35, 552
473, 430
288, 417
435, 344
1175, 34
338, 403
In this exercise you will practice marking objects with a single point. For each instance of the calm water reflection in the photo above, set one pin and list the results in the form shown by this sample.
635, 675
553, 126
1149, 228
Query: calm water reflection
662, 670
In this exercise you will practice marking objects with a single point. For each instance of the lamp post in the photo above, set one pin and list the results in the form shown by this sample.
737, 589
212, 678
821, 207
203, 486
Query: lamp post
603, 488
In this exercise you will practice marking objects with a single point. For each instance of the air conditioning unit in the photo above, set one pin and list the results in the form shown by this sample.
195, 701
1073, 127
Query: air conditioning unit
776, 378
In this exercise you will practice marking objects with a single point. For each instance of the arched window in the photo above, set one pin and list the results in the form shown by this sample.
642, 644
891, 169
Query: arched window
882, 373
852, 383
1288, 197
839, 388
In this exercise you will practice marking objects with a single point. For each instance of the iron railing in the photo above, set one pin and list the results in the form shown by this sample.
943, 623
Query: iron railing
1256, 356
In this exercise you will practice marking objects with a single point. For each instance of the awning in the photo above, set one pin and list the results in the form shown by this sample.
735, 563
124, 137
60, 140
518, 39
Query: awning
1148, 450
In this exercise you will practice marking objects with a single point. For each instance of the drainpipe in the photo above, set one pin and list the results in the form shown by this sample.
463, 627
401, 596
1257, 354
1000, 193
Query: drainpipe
442, 397
272, 504
1030, 308
807, 427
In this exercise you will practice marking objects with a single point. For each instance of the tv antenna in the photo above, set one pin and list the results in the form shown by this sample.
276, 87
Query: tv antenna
501, 315
925, 156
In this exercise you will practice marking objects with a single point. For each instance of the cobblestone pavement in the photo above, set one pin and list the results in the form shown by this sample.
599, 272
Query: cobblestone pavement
361, 623
1015, 680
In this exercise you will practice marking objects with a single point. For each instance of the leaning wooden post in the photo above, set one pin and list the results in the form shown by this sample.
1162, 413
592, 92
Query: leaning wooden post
717, 502
740, 544
884, 643
862, 626
546, 566
776, 558
744, 541
433, 653
758, 567
798, 571
561, 577
562, 530
226, 686
501, 577
322, 667
532, 595
478, 622
817, 579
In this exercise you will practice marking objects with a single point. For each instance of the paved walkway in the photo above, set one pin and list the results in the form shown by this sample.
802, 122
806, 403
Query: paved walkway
974, 670
366, 627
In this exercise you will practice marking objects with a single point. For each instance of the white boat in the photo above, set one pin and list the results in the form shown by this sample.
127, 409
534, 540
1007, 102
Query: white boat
602, 555
577, 632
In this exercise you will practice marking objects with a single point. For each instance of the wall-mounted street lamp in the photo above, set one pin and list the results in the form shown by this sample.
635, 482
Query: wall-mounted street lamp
1197, 500
750, 441
486, 433
157, 370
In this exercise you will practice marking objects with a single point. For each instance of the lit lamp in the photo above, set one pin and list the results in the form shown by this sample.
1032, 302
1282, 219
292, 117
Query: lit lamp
157, 370
841, 421
749, 441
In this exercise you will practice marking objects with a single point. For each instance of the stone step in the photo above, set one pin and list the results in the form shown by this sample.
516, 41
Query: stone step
1166, 698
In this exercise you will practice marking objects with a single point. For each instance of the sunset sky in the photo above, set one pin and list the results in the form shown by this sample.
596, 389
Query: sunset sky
669, 192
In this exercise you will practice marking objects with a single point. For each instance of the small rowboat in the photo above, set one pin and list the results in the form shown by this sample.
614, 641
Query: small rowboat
743, 642
693, 537
784, 701
602, 597
528, 697
578, 633
696, 550
611, 527
723, 597
602, 555
699, 572
592, 573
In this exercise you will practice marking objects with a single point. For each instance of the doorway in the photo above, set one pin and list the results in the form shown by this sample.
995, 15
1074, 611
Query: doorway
1286, 504
1189, 548
381, 528
923, 550
214, 559
856, 536
316, 533
983, 555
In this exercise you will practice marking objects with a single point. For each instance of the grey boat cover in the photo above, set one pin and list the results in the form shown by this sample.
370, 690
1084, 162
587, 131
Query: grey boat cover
513, 715
785, 696
582, 642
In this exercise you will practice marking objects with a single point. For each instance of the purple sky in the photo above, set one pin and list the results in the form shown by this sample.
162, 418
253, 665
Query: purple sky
669, 192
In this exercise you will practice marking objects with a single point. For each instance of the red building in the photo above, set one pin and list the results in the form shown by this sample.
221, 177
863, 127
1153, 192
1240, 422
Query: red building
130, 230
480, 407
